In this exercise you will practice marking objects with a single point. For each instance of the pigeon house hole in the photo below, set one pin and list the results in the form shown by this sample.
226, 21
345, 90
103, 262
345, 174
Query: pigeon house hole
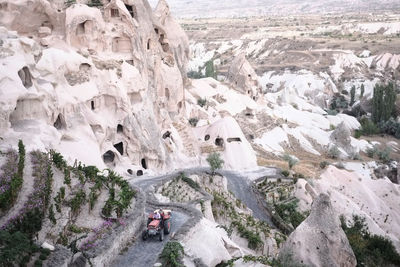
139, 173
130, 171
120, 148
144, 164
109, 157
92, 105
207, 137
25, 76
166, 135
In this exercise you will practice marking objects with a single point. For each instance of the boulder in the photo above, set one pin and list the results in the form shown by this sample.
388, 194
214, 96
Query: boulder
319, 240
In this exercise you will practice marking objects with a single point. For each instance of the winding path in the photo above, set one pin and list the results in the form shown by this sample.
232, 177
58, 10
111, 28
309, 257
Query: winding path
145, 253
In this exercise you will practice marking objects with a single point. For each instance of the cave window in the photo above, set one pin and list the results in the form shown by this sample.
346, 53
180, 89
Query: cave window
130, 171
120, 148
60, 124
139, 173
108, 157
130, 61
120, 128
167, 93
248, 92
207, 137
234, 139
219, 142
131, 9
144, 164
148, 44
254, 98
156, 30
180, 105
166, 135
25, 76
114, 13
92, 104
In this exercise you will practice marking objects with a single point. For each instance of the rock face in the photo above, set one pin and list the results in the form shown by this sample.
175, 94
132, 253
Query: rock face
319, 240
243, 78
109, 80
341, 137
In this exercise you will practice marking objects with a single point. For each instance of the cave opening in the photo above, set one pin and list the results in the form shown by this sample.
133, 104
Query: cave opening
219, 142
139, 173
92, 105
60, 123
144, 164
207, 137
25, 76
109, 157
120, 128
234, 139
120, 148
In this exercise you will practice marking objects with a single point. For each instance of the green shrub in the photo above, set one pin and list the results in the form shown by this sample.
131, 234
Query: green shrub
75, 229
193, 121
323, 164
370, 250
52, 217
215, 161
292, 161
368, 127
77, 201
352, 95
253, 238
285, 173
334, 152
172, 254
38, 263
15, 248
43, 257
384, 155
202, 102
189, 181
288, 212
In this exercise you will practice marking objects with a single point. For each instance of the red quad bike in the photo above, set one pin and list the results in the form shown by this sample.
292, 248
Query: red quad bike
158, 226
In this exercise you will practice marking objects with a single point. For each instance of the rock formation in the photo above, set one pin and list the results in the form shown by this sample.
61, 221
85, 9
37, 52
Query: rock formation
109, 80
341, 137
243, 78
319, 240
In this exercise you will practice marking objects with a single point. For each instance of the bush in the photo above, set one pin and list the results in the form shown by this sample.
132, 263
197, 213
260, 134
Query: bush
371, 151
290, 160
15, 248
253, 238
38, 263
193, 121
384, 155
285, 173
334, 152
202, 102
370, 250
215, 161
391, 127
172, 254
368, 127
323, 164
43, 257
189, 181
288, 212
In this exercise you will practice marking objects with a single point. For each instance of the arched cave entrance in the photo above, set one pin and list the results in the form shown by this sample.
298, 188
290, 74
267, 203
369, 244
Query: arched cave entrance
207, 137
234, 139
120, 128
219, 142
92, 105
139, 173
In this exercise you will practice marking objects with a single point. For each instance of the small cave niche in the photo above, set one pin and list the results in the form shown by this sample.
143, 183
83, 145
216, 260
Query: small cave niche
167, 95
130, 61
219, 142
131, 10
120, 148
25, 76
139, 173
180, 105
92, 105
84, 67
144, 163
148, 44
234, 139
60, 123
130, 171
80, 29
166, 135
120, 128
135, 98
109, 157
207, 137
156, 30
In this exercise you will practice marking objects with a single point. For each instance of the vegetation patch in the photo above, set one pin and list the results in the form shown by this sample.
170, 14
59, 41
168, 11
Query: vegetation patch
370, 250
172, 254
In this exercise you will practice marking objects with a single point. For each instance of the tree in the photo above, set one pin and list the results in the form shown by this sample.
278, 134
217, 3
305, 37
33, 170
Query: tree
215, 161
383, 102
210, 69
362, 91
352, 95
